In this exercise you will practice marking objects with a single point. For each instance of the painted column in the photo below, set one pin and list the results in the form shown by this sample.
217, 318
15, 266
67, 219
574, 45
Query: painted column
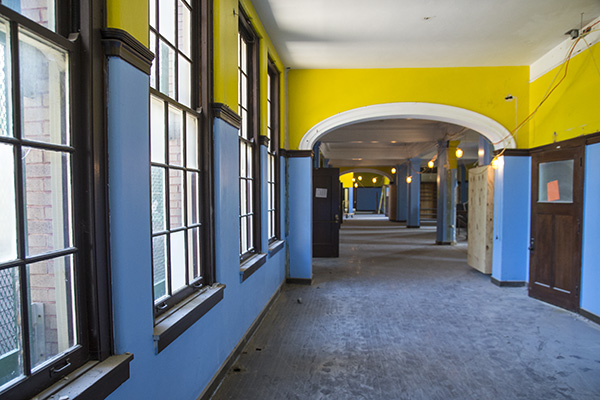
401, 193
446, 200
264, 195
512, 216
300, 217
413, 218
351, 200
486, 151
590, 268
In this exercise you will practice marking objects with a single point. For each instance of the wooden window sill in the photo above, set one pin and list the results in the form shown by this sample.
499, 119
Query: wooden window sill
251, 265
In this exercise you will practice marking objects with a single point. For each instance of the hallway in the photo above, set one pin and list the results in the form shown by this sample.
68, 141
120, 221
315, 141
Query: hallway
396, 317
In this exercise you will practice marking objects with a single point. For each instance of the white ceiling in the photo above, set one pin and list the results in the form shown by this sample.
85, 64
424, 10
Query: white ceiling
418, 33
413, 33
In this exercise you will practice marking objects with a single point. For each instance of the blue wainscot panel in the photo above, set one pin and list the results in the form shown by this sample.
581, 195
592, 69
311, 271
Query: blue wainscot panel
590, 270
300, 217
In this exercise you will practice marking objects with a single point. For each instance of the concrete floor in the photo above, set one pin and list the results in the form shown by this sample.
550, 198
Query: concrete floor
396, 317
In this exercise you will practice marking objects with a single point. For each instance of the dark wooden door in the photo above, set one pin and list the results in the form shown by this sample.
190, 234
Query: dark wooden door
326, 212
556, 214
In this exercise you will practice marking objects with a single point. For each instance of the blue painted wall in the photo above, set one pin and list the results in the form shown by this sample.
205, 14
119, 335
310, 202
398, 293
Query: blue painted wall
187, 365
590, 269
512, 219
367, 199
300, 217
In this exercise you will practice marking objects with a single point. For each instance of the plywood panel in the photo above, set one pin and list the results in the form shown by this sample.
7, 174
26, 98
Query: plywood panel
481, 218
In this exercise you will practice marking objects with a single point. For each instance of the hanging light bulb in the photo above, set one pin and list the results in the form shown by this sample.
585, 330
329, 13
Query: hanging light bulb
495, 163
459, 152
356, 185
374, 180
353, 179
408, 179
430, 164
393, 170
360, 177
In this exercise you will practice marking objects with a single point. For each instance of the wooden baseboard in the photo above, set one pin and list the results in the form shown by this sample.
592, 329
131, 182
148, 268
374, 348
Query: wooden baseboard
215, 382
299, 281
508, 283
591, 316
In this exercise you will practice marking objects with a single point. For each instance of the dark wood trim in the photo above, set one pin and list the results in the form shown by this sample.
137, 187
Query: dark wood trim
212, 387
507, 283
575, 142
591, 316
275, 247
514, 152
299, 281
224, 112
175, 322
263, 140
94, 380
252, 265
592, 138
413, 226
296, 153
119, 43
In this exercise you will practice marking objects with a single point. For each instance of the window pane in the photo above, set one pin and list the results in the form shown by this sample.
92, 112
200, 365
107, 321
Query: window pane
193, 201
178, 261
250, 236
185, 79
243, 162
243, 201
249, 154
40, 11
184, 28
194, 253
11, 356
5, 82
159, 211
175, 136
244, 235
244, 91
44, 91
152, 13
8, 217
153, 67
192, 142
47, 189
175, 198
157, 130
166, 69
52, 317
159, 263
166, 10
556, 182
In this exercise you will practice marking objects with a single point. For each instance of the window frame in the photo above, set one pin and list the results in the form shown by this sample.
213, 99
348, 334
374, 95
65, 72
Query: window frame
88, 187
201, 95
248, 35
273, 128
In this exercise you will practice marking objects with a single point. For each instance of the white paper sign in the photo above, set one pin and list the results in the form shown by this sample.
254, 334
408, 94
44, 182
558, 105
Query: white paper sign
321, 193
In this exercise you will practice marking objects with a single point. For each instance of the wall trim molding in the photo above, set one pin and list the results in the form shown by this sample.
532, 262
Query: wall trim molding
296, 153
480, 123
508, 283
591, 316
591, 138
118, 43
224, 112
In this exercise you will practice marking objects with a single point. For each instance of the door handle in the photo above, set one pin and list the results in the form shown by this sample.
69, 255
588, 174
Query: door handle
532, 244
337, 219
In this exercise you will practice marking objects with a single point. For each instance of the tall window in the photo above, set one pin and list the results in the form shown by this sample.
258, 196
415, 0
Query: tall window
248, 136
45, 331
273, 152
177, 143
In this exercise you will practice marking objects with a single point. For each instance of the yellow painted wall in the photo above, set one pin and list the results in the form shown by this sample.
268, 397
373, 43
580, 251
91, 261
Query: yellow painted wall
574, 107
315, 95
225, 21
130, 16
346, 180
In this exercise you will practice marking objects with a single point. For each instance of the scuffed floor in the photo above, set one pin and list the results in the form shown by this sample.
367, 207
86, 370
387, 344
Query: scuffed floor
396, 317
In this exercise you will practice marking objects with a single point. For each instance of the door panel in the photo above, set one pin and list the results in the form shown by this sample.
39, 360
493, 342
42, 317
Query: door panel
557, 206
326, 212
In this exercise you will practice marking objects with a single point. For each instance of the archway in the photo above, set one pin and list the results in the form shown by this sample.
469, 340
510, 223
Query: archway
494, 131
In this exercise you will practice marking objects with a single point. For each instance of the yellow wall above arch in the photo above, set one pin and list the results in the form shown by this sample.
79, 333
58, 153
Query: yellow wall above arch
315, 95
130, 16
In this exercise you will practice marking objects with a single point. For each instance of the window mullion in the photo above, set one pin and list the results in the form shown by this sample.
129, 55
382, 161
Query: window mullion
167, 201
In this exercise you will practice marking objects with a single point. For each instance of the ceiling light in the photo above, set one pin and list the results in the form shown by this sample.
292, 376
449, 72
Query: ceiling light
356, 185
353, 179
459, 152
374, 180
431, 164
360, 177
408, 179
393, 170
495, 163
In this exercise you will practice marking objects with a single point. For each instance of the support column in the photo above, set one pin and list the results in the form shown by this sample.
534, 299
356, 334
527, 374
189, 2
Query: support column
351, 200
486, 151
401, 192
464, 184
446, 189
413, 219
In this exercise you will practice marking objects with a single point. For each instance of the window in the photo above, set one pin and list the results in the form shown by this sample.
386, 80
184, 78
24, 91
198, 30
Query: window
273, 151
47, 327
178, 155
248, 136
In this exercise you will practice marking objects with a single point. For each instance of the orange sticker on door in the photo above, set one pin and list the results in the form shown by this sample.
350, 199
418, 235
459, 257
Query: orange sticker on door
553, 193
